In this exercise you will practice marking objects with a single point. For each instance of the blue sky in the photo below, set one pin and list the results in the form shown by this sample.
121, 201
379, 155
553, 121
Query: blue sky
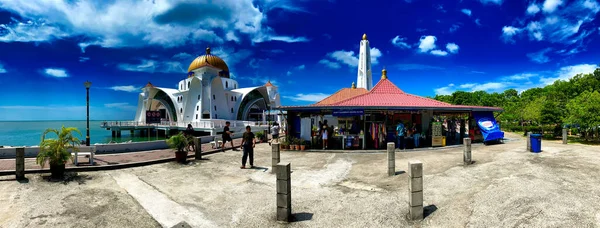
308, 48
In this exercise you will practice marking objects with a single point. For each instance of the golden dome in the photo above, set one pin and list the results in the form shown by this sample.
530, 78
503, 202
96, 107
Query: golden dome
365, 36
209, 60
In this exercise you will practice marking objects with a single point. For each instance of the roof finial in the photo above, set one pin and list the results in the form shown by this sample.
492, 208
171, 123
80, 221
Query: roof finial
208, 50
353, 85
364, 36
384, 73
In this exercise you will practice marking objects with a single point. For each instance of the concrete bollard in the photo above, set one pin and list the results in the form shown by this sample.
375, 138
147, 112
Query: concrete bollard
467, 151
284, 192
20, 163
198, 146
391, 154
415, 190
275, 156
528, 141
564, 136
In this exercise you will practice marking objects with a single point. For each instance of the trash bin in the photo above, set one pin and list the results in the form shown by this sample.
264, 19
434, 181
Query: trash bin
536, 143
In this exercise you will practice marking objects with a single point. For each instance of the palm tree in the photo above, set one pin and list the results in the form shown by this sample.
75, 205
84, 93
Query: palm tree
56, 150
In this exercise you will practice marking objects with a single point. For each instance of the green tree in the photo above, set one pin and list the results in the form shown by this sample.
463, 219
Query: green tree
584, 109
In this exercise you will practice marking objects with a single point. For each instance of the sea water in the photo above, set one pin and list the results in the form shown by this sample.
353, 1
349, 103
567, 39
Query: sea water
29, 133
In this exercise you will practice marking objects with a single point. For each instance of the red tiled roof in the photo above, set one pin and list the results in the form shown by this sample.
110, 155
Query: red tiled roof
341, 95
385, 93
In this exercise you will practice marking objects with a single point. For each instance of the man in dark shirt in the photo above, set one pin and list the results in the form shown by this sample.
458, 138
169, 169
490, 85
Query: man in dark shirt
227, 136
248, 143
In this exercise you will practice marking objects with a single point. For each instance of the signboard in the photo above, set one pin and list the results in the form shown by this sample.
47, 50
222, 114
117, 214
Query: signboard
153, 117
348, 112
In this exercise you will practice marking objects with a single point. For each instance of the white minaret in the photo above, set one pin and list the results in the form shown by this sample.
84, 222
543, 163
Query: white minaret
364, 80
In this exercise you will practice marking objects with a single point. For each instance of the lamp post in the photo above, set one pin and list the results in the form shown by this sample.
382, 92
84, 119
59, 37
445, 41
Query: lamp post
87, 85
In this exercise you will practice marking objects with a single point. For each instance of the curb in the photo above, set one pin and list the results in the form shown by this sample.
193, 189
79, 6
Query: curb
109, 167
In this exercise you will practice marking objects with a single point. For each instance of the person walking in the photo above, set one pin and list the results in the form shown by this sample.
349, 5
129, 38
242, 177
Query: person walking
227, 136
248, 142
416, 135
400, 135
274, 133
189, 134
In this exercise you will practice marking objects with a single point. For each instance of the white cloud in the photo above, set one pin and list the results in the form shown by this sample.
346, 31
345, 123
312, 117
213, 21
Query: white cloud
560, 23
565, 73
452, 48
141, 23
231, 56
56, 72
289, 73
83, 59
311, 97
400, 42
521, 81
128, 88
349, 58
540, 56
454, 27
439, 52
183, 56
497, 2
478, 22
446, 90
521, 76
2, 69
533, 9
154, 66
466, 11
427, 43
301, 67
550, 6
508, 32
330, 64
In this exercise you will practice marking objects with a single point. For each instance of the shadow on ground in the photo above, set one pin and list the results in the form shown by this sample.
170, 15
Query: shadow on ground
299, 217
428, 210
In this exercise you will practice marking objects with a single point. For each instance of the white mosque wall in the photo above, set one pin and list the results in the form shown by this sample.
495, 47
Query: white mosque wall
219, 105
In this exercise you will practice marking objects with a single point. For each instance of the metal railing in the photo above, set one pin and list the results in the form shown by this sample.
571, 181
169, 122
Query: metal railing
195, 124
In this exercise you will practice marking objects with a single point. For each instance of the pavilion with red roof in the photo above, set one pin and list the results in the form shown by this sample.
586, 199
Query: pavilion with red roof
378, 111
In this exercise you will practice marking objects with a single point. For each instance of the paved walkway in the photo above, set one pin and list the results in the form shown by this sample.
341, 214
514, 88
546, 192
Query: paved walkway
113, 159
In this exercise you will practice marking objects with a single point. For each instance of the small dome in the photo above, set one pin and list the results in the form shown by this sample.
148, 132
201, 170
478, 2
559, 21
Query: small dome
208, 59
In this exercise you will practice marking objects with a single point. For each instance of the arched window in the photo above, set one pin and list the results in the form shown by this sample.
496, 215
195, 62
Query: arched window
214, 97
196, 116
231, 98
181, 110
188, 85
231, 110
198, 97
235, 98
215, 108
197, 107
180, 87
226, 84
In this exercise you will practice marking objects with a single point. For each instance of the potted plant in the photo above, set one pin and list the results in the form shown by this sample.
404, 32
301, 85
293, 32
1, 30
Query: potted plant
260, 136
284, 145
296, 143
179, 143
56, 151
304, 144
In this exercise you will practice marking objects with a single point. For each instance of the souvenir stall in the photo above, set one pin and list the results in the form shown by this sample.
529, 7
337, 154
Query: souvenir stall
368, 119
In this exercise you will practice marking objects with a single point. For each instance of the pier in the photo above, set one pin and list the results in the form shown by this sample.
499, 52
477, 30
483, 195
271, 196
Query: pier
167, 128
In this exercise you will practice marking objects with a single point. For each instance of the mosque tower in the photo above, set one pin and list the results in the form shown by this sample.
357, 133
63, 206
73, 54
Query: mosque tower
364, 79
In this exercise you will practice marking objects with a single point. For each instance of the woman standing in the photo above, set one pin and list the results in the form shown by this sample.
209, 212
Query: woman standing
325, 134
189, 134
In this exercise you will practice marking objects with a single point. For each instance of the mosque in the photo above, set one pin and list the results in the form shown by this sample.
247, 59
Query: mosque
208, 94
